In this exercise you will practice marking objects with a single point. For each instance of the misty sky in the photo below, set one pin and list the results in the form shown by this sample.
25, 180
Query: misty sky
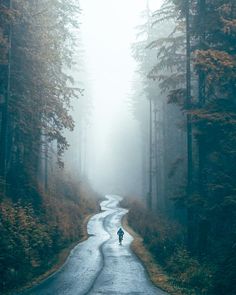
113, 139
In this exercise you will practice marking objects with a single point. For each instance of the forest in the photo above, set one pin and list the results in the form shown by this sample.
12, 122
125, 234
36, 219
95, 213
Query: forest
184, 103
41, 211
189, 75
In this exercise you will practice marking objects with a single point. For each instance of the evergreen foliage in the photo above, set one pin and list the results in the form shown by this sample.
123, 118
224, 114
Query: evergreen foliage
206, 208
37, 220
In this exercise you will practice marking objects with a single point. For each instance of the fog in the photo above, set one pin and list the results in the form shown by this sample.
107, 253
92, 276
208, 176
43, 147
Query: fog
136, 100
106, 145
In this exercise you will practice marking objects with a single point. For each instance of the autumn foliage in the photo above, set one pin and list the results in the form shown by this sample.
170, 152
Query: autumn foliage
195, 75
41, 210
32, 235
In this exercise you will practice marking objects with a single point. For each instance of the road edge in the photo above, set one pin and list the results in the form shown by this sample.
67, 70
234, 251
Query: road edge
59, 261
156, 274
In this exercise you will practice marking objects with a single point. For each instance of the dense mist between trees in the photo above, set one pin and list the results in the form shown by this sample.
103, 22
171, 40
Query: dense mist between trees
133, 98
107, 136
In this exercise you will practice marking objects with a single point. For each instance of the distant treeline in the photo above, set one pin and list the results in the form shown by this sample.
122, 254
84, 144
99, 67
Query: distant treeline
187, 60
38, 216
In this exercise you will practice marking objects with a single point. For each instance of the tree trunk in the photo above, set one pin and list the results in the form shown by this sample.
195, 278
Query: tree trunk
156, 156
190, 213
203, 224
149, 197
201, 92
46, 167
4, 117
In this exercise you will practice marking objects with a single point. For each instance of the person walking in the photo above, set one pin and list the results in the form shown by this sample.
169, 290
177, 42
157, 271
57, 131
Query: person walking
120, 233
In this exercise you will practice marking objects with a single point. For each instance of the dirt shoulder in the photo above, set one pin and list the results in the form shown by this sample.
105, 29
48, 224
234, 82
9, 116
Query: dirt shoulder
155, 272
60, 259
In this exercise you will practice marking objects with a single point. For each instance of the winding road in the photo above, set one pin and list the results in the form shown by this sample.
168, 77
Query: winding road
100, 265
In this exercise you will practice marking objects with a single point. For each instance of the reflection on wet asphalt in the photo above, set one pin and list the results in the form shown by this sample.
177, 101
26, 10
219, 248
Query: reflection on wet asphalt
100, 265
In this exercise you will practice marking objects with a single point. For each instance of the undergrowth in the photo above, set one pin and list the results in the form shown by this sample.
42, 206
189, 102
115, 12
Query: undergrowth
164, 239
33, 234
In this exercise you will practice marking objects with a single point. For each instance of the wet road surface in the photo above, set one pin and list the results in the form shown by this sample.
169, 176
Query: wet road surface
100, 265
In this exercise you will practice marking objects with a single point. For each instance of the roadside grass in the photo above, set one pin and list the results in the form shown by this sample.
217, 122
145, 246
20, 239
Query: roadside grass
59, 259
158, 244
37, 239
156, 273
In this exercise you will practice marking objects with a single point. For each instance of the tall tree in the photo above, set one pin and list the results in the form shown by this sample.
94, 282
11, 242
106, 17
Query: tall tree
6, 34
40, 45
145, 61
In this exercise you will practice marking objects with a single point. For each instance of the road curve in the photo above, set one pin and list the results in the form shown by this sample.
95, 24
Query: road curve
100, 265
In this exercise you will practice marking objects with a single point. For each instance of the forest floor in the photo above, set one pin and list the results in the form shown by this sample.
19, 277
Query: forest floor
59, 259
156, 273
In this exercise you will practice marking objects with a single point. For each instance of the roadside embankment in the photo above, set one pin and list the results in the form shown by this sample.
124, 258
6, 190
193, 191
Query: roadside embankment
157, 242
36, 238
58, 261
157, 275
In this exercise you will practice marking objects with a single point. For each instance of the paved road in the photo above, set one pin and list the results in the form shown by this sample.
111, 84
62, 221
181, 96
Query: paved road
100, 265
